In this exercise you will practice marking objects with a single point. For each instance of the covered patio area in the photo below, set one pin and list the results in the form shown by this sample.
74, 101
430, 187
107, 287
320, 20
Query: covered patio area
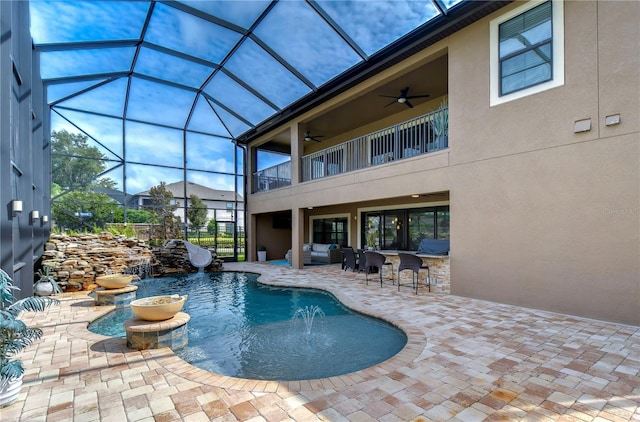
465, 360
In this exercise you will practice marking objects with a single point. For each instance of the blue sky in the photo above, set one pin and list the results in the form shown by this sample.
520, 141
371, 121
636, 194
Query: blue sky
198, 72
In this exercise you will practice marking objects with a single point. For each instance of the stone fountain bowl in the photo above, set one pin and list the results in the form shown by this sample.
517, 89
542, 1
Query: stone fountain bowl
114, 281
158, 308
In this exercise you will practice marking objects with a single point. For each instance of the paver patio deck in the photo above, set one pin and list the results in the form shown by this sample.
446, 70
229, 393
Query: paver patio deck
466, 360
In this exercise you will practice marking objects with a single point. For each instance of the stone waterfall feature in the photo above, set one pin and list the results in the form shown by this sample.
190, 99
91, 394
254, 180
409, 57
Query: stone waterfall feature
76, 261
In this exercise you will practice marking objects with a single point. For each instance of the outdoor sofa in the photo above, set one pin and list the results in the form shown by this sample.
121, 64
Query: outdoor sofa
328, 253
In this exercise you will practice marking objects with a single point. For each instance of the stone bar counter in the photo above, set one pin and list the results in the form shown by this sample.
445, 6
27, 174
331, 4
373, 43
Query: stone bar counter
438, 266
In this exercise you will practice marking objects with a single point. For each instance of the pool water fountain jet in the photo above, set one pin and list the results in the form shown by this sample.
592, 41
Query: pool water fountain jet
308, 313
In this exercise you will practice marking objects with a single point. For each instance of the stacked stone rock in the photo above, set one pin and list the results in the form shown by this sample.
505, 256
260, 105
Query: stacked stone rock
175, 258
76, 261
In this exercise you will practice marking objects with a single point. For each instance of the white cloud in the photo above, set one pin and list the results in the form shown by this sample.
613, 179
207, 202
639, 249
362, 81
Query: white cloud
60, 21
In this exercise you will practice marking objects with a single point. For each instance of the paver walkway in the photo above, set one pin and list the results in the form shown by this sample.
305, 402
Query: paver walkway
466, 360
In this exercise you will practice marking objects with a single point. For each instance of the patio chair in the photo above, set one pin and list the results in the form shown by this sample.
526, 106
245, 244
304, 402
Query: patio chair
376, 260
414, 263
362, 260
349, 259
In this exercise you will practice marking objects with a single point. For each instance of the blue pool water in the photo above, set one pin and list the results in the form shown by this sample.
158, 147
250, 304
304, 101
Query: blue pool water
245, 329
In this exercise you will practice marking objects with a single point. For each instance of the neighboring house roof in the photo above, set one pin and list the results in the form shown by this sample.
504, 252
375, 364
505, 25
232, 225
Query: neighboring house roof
116, 195
203, 192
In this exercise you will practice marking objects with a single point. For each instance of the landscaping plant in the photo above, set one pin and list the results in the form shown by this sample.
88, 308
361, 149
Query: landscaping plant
16, 336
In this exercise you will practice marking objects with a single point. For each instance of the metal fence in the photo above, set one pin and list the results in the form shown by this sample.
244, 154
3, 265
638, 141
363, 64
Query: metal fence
221, 242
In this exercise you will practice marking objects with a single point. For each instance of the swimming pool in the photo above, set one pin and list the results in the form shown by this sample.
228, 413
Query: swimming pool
246, 329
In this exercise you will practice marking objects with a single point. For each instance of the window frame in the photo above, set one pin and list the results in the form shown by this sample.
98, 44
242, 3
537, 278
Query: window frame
313, 218
404, 224
557, 49
333, 235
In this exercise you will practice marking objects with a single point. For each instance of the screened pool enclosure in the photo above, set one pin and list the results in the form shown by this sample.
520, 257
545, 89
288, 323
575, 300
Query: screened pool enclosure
153, 103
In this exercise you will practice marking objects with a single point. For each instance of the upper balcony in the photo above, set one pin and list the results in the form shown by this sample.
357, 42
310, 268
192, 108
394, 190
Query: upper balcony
274, 177
418, 136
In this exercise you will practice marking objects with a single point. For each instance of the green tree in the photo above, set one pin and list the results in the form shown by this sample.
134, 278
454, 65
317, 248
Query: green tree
75, 173
197, 213
139, 216
162, 204
211, 226
81, 211
133, 216
56, 190
74, 164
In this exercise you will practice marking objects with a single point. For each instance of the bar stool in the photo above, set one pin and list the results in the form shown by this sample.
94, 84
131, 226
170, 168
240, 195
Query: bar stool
375, 259
414, 263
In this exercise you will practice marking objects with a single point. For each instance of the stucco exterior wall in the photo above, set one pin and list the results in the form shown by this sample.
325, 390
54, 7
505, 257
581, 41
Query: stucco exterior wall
542, 216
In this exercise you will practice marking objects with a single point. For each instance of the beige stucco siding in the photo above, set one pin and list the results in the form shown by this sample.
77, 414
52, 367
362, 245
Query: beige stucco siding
551, 230
542, 216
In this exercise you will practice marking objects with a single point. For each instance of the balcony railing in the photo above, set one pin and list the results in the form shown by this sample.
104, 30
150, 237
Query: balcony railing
413, 137
421, 135
274, 177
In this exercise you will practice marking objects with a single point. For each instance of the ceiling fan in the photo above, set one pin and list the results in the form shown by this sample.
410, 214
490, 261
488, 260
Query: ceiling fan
308, 137
403, 98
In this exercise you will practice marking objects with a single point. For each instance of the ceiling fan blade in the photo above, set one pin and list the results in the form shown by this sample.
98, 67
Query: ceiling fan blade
403, 98
392, 102
308, 137
388, 96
